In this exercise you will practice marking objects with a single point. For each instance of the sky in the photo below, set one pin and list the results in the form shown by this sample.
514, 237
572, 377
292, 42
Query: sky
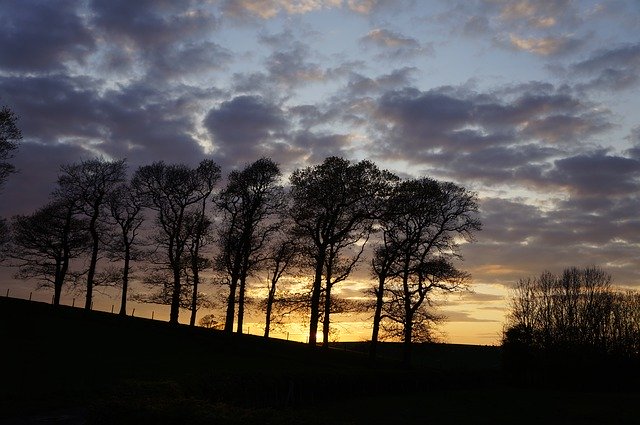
533, 104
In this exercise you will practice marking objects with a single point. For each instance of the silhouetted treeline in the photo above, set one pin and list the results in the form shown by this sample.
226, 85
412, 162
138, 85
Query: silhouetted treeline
573, 329
175, 228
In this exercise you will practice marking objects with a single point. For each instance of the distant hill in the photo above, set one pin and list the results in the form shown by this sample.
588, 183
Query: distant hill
64, 356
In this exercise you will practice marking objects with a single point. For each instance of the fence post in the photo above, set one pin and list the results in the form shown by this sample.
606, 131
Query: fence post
30, 294
133, 312
7, 292
73, 303
112, 308
152, 313
53, 297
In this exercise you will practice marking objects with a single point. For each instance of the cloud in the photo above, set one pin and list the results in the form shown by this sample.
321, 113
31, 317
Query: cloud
395, 45
137, 121
463, 316
536, 13
188, 60
546, 46
148, 24
247, 127
494, 137
31, 44
38, 166
267, 9
360, 85
320, 146
610, 69
597, 174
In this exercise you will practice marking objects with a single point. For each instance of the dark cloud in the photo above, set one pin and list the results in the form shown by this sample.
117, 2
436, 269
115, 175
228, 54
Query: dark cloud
188, 60
360, 85
634, 139
320, 146
136, 121
287, 67
520, 239
597, 174
38, 166
42, 36
149, 23
290, 67
495, 138
610, 69
247, 127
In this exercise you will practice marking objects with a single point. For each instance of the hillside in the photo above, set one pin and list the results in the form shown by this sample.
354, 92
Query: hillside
64, 365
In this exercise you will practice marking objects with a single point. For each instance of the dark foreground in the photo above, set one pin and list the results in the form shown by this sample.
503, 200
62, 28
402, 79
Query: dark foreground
64, 366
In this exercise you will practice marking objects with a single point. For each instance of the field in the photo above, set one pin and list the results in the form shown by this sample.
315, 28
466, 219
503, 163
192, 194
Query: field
66, 366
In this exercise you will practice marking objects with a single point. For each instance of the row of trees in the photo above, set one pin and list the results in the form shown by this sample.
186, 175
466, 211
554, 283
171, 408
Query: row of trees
572, 323
174, 222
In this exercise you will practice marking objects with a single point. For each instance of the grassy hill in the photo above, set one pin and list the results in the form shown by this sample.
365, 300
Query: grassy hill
64, 365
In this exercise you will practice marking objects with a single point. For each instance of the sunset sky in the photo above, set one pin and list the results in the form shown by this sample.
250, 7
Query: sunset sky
533, 104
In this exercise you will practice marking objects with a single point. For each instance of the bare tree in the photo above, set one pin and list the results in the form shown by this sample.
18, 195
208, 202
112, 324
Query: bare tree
172, 191
333, 203
571, 327
44, 243
199, 226
420, 239
90, 182
126, 211
251, 202
10, 136
283, 258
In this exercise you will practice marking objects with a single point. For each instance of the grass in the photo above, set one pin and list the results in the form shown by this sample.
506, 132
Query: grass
99, 368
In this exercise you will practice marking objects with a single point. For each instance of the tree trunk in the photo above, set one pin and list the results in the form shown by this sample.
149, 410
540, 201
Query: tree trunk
57, 290
326, 322
315, 301
377, 317
270, 298
406, 344
231, 304
241, 291
95, 240
125, 280
175, 297
194, 298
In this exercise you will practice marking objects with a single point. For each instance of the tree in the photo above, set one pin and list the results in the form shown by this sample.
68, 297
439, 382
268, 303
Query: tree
333, 205
422, 225
172, 191
250, 203
126, 211
199, 229
90, 182
284, 256
44, 243
573, 327
10, 136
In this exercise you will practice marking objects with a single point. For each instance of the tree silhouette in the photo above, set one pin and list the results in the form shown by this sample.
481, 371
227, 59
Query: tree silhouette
91, 182
172, 190
250, 203
200, 230
421, 226
284, 256
333, 205
10, 136
126, 211
44, 243
572, 327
